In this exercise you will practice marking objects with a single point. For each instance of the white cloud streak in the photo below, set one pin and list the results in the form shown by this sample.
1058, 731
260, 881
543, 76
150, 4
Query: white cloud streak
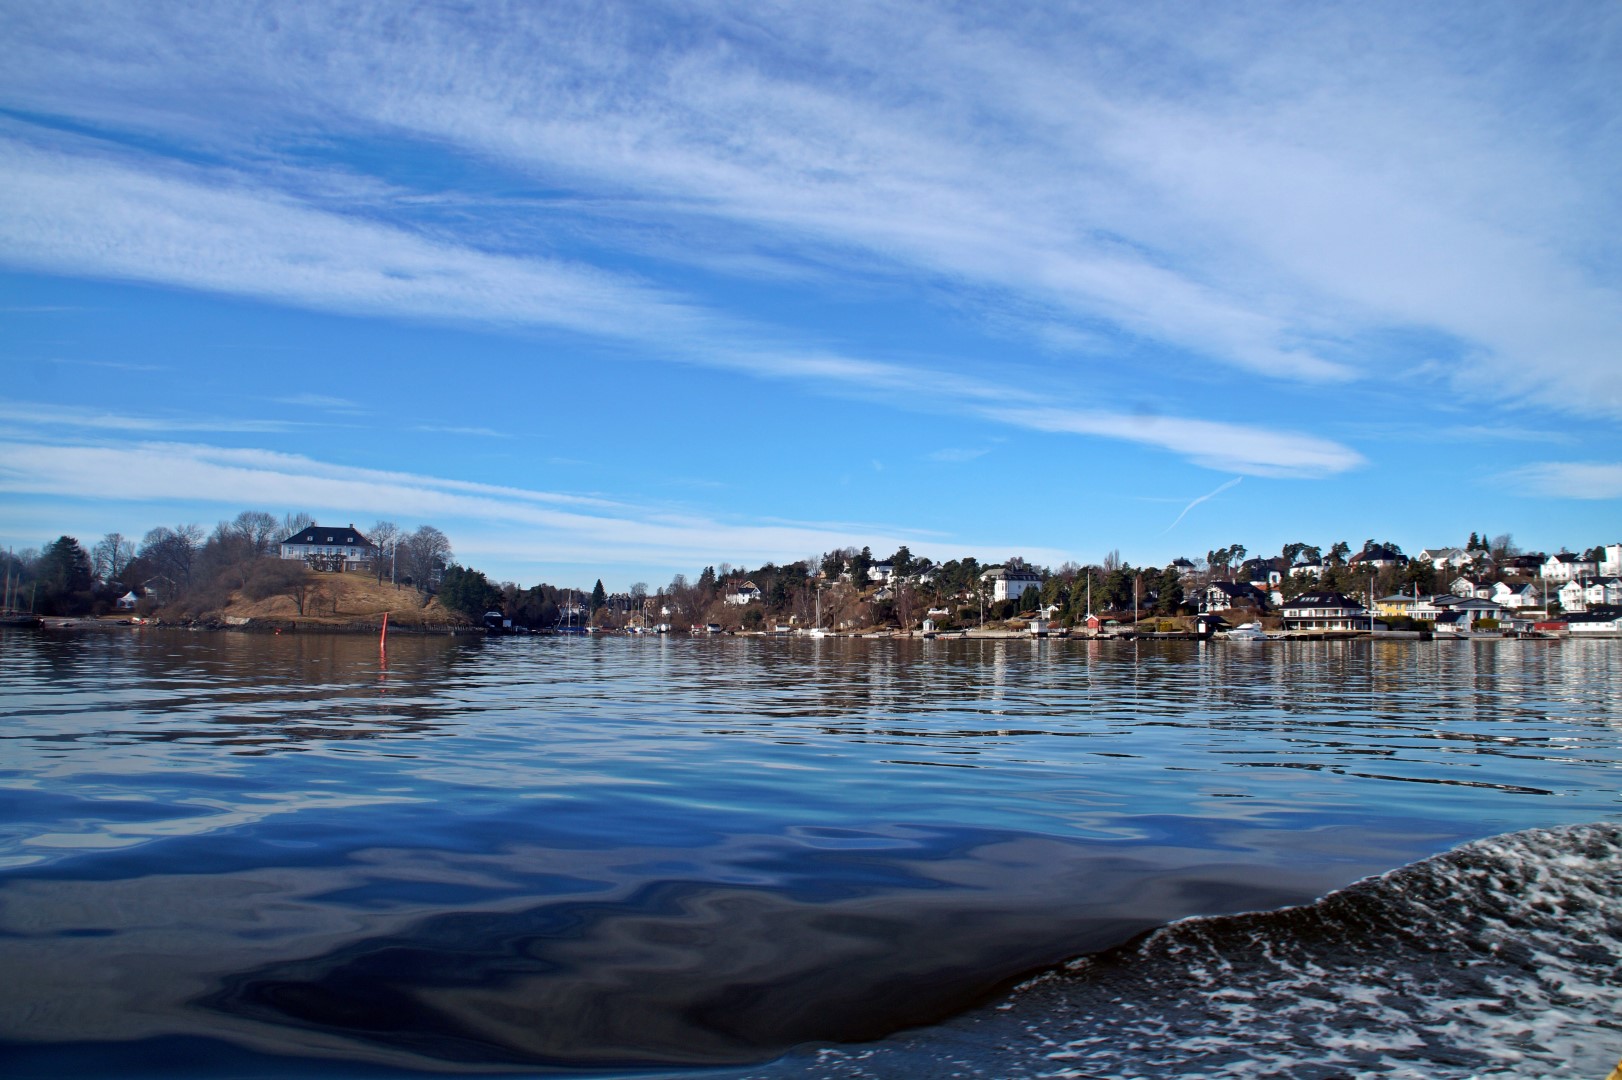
1203, 498
1597, 480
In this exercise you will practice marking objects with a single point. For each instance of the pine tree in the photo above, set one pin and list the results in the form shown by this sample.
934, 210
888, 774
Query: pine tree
598, 596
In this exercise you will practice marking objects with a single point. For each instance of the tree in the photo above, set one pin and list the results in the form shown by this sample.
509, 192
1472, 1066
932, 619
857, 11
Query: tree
111, 556
295, 523
599, 596
279, 577
65, 577
468, 592
257, 530
1338, 553
172, 552
385, 534
425, 554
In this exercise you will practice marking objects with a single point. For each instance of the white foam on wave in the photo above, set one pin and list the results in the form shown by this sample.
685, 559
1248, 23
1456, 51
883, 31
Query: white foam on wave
1501, 958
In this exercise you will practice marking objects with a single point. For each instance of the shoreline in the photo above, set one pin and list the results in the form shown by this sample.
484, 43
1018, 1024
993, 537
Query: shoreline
298, 626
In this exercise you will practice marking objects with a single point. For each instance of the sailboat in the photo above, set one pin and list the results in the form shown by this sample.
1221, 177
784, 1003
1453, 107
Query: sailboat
817, 630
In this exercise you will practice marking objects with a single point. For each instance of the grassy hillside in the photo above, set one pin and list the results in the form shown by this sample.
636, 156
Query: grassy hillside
346, 598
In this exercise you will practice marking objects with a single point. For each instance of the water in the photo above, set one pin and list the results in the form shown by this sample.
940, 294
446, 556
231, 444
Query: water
242, 855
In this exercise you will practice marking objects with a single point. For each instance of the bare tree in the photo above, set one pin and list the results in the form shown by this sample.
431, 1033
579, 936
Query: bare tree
425, 553
386, 535
173, 551
112, 555
258, 529
295, 523
1112, 561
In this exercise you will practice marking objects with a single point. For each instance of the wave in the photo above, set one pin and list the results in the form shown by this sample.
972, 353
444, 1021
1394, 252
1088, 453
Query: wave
1500, 958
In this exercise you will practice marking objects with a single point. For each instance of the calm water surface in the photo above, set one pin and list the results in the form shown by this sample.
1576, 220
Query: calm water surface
232, 854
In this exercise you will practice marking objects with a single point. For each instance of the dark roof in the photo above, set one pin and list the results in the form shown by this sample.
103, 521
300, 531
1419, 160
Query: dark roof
330, 534
1378, 552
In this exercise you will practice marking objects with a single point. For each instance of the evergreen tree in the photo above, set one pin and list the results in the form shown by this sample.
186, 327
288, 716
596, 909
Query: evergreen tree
64, 577
599, 597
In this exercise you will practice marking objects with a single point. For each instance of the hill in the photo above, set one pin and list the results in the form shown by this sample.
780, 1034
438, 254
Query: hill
340, 599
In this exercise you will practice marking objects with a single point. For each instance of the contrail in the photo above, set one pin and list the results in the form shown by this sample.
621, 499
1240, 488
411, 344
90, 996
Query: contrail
1201, 499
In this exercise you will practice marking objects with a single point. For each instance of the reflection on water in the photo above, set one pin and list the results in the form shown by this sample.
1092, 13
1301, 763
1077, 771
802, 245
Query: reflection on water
621, 851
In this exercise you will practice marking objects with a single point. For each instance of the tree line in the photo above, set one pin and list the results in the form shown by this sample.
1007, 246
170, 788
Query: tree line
187, 571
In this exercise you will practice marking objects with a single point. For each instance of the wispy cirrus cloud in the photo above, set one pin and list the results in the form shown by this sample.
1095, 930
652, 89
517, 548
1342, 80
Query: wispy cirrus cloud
1263, 195
1568, 479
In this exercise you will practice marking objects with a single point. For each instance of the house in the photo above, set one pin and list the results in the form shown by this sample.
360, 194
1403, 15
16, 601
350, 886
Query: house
1262, 573
1527, 565
1603, 592
328, 547
1324, 611
1515, 596
1011, 583
1223, 595
1586, 595
1376, 557
1610, 565
1474, 610
1313, 569
1601, 622
1397, 604
1567, 567
1469, 586
747, 593
1446, 558
1184, 568
881, 573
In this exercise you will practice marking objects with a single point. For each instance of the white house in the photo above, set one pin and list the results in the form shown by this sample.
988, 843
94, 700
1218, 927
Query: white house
881, 573
747, 593
1324, 611
1598, 624
1573, 596
1011, 582
1446, 558
1611, 564
331, 547
1515, 596
1224, 595
1469, 586
1603, 591
1568, 567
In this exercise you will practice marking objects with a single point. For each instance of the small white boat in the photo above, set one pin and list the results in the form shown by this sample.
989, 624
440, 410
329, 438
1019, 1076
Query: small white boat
1249, 631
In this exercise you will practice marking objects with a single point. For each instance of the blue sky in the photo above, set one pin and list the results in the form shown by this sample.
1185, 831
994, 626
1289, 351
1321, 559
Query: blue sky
622, 290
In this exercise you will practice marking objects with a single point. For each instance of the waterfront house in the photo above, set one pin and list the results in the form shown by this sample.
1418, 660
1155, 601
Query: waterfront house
1469, 586
1324, 611
1011, 582
747, 593
328, 547
1573, 596
1600, 622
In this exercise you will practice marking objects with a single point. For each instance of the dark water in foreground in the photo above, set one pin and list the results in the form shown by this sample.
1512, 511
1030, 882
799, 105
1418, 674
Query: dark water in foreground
235, 855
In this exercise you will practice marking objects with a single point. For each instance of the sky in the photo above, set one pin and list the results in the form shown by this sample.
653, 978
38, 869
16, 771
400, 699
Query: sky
621, 290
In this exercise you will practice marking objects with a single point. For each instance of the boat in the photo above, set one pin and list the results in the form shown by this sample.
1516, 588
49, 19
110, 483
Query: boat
1250, 631
818, 630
